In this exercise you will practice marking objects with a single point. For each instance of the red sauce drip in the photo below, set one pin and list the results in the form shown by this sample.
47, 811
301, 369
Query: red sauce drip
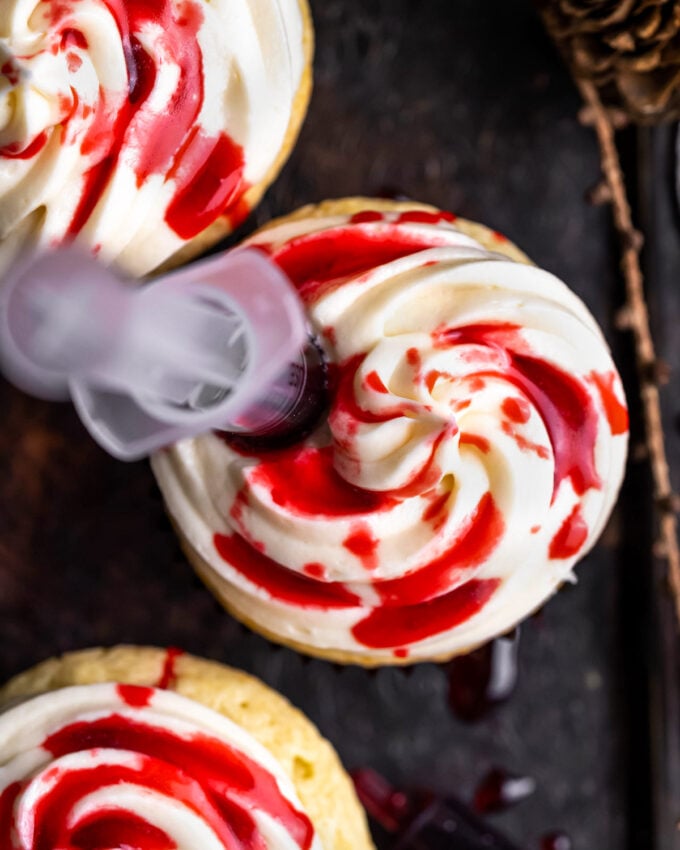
385, 627
10, 151
477, 441
119, 829
561, 399
203, 773
571, 536
210, 179
402, 652
316, 260
374, 382
135, 696
315, 570
279, 582
615, 411
499, 237
304, 482
168, 673
516, 409
480, 536
366, 216
363, 544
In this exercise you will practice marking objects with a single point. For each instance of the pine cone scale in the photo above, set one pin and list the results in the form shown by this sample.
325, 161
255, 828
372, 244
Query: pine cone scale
630, 49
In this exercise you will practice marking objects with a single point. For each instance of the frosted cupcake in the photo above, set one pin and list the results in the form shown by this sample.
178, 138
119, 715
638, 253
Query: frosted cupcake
472, 452
144, 130
137, 747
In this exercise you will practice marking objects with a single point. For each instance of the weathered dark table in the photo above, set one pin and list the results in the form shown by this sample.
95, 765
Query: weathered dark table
463, 104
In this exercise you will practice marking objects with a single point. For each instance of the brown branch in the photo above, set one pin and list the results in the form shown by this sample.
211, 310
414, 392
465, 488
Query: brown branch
637, 320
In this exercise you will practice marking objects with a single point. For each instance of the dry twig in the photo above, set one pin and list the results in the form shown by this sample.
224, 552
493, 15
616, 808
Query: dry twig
637, 320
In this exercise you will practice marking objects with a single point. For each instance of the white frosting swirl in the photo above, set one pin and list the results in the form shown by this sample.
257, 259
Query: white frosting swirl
118, 765
474, 449
134, 125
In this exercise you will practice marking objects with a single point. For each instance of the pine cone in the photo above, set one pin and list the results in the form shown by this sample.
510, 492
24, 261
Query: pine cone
629, 48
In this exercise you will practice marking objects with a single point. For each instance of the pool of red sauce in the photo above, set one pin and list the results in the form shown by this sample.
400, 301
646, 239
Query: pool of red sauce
442, 593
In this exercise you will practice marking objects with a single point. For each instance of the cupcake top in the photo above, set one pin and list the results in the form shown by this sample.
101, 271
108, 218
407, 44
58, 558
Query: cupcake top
133, 126
472, 452
112, 765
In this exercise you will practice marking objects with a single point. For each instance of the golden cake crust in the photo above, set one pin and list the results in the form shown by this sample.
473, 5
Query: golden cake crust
322, 784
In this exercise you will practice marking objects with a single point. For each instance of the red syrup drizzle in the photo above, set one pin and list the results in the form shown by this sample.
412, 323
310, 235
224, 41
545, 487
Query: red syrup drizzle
571, 536
562, 401
279, 582
207, 170
304, 482
318, 262
118, 829
387, 627
169, 673
483, 678
222, 784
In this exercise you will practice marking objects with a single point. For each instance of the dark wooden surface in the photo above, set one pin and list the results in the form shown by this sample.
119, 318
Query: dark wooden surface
465, 105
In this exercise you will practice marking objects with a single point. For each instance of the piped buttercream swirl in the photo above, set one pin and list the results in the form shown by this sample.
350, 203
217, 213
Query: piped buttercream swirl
111, 765
473, 450
132, 126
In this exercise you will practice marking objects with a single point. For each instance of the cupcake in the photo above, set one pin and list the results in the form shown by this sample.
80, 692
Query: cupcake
472, 451
146, 131
137, 747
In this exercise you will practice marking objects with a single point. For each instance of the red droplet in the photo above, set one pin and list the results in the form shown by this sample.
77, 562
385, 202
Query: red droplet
136, 696
374, 381
402, 652
388, 806
516, 409
500, 789
482, 679
315, 570
556, 841
571, 536
363, 544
